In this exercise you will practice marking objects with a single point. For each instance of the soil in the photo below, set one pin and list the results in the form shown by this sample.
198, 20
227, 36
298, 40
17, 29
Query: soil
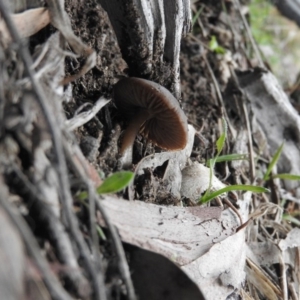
199, 98
205, 85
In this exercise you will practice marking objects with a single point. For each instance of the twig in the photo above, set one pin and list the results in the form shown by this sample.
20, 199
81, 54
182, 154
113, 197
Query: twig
254, 45
234, 209
263, 276
283, 280
248, 127
61, 21
297, 268
250, 145
293, 293
91, 206
28, 23
59, 155
123, 265
57, 234
55, 289
86, 116
220, 98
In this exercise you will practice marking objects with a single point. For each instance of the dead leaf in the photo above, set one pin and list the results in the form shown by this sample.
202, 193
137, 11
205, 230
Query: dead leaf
291, 241
180, 233
156, 277
221, 269
27, 23
12, 260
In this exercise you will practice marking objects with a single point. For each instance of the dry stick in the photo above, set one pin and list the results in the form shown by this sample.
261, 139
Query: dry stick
92, 212
59, 238
292, 291
253, 291
244, 224
94, 235
61, 163
123, 265
220, 98
86, 116
61, 21
248, 127
264, 276
297, 267
283, 280
235, 210
245, 295
250, 145
254, 45
125, 272
2, 100
55, 289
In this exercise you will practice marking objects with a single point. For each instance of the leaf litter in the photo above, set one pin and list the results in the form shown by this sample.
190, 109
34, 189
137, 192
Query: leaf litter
210, 244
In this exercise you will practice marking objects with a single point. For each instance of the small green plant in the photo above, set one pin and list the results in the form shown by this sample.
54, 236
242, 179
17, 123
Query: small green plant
215, 47
268, 175
208, 196
227, 158
287, 176
273, 162
290, 218
197, 15
220, 145
113, 184
231, 188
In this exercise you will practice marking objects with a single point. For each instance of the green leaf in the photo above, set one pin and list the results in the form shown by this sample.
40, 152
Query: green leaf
287, 176
215, 47
295, 213
249, 188
228, 157
291, 219
213, 44
101, 233
273, 162
220, 50
115, 183
220, 144
221, 140
197, 15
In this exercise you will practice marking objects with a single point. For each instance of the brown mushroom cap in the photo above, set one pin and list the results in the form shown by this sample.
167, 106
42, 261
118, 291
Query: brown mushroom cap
153, 111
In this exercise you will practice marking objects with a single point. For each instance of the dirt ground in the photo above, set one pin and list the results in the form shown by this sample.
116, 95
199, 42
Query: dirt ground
199, 100
217, 45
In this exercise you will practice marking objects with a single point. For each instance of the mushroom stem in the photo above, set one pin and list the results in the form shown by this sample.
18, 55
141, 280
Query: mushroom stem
133, 129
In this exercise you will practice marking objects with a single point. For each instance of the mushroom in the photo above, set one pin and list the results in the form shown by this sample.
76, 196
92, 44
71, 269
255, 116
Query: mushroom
153, 111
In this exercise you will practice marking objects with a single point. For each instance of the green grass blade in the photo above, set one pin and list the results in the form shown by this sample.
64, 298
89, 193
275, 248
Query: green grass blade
220, 144
101, 233
287, 176
291, 219
249, 188
115, 183
221, 140
197, 15
294, 213
228, 157
273, 162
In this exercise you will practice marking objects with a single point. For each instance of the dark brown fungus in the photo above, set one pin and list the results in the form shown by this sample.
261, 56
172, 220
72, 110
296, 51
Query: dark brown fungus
153, 111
